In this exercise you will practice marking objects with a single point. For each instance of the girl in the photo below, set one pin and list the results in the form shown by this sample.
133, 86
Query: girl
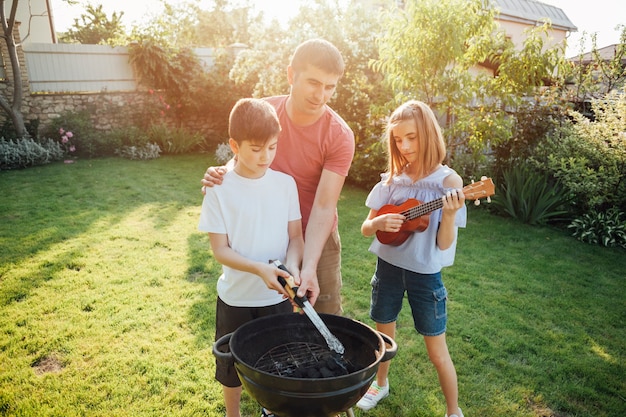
416, 152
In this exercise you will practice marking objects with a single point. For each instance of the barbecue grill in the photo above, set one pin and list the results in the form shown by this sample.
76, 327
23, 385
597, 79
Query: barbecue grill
285, 364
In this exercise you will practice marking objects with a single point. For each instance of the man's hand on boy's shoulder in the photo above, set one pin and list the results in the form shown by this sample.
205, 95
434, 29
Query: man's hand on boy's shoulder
213, 176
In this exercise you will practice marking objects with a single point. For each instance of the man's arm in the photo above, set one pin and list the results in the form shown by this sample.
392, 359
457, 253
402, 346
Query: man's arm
318, 229
295, 249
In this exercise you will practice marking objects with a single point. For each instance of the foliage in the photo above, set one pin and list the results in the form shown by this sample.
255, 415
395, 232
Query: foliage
432, 36
174, 140
477, 111
172, 71
592, 75
26, 152
92, 143
226, 25
531, 123
360, 92
601, 228
142, 152
94, 27
589, 157
370, 160
185, 90
7, 130
530, 196
223, 153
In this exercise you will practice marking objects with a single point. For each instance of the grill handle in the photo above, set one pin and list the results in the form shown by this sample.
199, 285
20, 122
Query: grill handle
391, 347
221, 355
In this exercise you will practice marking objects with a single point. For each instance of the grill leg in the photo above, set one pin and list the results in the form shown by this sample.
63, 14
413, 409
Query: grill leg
350, 413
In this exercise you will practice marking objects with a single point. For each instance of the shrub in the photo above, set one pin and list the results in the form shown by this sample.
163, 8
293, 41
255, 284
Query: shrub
7, 130
601, 228
530, 196
589, 157
26, 152
89, 142
370, 160
174, 140
146, 151
223, 153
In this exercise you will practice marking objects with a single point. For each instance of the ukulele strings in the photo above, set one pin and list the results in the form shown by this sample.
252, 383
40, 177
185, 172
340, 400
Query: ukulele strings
421, 209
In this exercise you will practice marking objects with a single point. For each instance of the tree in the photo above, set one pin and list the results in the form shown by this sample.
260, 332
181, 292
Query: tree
12, 106
431, 52
94, 27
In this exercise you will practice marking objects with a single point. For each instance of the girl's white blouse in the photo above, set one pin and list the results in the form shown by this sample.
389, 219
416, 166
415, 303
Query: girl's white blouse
419, 253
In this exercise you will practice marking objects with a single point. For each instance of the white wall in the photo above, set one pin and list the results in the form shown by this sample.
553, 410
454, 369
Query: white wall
34, 20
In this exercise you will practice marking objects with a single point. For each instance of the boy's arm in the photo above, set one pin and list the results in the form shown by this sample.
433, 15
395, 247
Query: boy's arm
225, 255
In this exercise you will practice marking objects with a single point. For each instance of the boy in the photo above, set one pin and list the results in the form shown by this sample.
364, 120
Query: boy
252, 218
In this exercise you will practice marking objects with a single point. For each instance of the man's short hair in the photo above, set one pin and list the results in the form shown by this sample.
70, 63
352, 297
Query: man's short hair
254, 120
321, 54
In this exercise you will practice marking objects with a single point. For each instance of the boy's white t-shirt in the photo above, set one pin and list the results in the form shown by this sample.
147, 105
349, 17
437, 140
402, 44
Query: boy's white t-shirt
254, 213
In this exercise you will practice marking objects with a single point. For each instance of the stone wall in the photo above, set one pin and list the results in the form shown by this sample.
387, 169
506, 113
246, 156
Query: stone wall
108, 109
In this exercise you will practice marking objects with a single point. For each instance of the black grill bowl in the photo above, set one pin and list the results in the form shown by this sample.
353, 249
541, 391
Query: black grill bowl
365, 348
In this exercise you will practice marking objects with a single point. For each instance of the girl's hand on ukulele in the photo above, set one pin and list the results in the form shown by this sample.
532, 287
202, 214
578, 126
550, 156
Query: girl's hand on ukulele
391, 222
453, 200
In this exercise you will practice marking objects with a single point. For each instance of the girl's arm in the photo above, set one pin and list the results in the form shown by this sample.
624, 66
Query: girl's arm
452, 202
390, 222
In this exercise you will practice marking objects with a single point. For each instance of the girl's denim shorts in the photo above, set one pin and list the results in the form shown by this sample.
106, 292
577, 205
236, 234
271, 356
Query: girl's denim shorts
426, 294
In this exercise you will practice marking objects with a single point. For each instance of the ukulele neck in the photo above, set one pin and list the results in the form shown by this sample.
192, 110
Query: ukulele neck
422, 209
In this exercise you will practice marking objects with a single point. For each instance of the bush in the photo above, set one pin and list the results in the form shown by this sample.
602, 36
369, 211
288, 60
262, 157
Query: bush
7, 130
88, 141
601, 228
26, 152
223, 153
146, 151
370, 160
530, 196
174, 140
589, 157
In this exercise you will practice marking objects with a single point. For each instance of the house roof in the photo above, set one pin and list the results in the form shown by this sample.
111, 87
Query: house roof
531, 12
605, 54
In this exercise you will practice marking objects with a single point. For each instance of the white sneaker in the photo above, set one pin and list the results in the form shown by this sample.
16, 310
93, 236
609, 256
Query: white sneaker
455, 415
374, 394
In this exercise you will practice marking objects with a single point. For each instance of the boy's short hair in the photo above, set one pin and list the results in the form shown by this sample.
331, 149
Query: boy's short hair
254, 120
321, 54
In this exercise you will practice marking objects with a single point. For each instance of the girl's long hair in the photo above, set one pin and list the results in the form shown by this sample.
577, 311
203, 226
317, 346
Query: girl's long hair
432, 147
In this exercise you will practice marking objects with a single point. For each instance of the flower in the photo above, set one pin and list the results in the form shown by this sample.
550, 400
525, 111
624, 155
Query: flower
66, 141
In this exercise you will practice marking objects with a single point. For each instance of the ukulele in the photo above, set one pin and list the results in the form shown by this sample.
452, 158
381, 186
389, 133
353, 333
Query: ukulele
416, 212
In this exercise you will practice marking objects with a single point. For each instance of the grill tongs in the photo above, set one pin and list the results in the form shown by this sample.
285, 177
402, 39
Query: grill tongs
289, 283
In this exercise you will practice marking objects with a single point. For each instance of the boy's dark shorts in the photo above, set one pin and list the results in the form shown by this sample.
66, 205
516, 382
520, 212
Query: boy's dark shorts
227, 320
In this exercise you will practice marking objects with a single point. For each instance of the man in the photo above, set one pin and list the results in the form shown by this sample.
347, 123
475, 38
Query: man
316, 149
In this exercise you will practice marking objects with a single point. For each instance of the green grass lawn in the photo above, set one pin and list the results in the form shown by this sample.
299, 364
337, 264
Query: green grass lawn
107, 295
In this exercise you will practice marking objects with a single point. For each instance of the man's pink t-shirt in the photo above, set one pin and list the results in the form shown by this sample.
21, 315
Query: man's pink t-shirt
304, 152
